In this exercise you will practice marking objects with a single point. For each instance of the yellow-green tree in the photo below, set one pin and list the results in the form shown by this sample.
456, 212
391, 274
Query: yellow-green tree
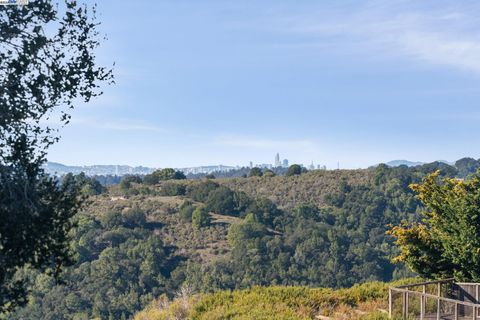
446, 242
200, 217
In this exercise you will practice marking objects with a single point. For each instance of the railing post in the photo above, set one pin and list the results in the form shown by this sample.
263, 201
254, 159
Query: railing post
439, 292
422, 303
474, 312
476, 293
390, 302
456, 311
406, 305
476, 302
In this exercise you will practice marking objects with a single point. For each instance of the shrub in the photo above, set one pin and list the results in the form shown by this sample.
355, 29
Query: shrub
186, 211
172, 189
134, 218
293, 170
200, 217
255, 172
200, 191
221, 200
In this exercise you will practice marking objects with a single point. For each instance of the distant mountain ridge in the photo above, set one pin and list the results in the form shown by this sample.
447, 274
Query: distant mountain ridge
59, 169
396, 163
55, 168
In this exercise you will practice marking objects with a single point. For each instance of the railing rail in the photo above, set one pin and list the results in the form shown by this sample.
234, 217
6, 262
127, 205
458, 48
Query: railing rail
460, 306
449, 280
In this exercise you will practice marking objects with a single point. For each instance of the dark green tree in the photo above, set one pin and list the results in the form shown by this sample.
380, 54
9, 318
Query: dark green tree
88, 186
172, 189
255, 172
127, 181
47, 62
294, 170
222, 201
163, 175
200, 191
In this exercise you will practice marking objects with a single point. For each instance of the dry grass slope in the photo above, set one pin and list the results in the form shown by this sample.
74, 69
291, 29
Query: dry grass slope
361, 302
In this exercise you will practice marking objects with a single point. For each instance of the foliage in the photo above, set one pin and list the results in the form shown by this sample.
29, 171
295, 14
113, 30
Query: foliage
121, 265
47, 61
200, 191
128, 180
33, 232
255, 172
163, 175
222, 200
335, 245
88, 186
466, 166
293, 170
276, 303
200, 217
333, 236
172, 189
446, 242
233, 173
186, 211
269, 173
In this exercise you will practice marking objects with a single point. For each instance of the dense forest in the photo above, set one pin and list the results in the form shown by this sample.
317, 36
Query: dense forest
144, 238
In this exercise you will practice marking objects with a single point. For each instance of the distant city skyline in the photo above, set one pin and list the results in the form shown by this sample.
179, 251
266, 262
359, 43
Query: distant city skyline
55, 168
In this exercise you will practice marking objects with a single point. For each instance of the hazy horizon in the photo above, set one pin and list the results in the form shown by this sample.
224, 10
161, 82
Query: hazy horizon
247, 165
228, 82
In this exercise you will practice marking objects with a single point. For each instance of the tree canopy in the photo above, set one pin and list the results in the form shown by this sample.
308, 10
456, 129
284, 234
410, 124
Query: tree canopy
47, 62
163, 175
446, 242
293, 170
255, 172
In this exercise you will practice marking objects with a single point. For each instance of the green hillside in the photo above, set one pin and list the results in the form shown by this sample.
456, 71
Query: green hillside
135, 241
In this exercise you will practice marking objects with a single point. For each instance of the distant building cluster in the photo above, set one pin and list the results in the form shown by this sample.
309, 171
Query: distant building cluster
59, 169
278, 163
207, 169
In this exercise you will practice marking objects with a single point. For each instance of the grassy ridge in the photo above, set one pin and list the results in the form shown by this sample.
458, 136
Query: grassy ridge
311, 187
363, 301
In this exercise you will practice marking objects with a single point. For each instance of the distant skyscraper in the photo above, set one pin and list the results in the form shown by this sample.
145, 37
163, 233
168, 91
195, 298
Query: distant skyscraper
251, 164
285, 163
277, 161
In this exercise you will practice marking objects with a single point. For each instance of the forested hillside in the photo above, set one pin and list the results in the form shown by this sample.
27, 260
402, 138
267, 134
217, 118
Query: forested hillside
137, 241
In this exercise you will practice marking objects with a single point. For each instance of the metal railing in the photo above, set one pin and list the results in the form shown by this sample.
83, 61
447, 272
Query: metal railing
443, 299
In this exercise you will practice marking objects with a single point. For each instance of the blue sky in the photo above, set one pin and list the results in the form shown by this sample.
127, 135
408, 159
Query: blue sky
228, 82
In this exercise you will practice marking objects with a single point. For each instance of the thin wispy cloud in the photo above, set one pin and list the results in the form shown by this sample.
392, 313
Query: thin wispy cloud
114, 125
441, 37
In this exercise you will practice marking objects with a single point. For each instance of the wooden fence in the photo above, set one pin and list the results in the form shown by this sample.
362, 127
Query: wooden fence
443, 299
